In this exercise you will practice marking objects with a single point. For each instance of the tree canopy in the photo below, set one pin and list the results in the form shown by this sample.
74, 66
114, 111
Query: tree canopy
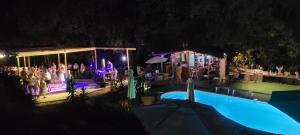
267, 27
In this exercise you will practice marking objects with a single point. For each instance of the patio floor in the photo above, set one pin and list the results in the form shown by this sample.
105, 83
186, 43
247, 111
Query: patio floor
59, 97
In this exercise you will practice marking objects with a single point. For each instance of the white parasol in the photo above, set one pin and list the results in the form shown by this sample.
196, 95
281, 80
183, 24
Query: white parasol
156, 59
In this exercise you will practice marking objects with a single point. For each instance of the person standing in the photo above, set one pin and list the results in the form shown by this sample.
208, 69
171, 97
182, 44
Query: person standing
36, 86
47, 79
82, 70
75, 68
24, 78
115, 73
31, 84
70, 66
109, 66
43, 88
178, 72
54, 71
70, 83
62, 71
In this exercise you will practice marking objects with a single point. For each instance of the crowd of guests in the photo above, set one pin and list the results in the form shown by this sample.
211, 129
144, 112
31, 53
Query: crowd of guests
36, 80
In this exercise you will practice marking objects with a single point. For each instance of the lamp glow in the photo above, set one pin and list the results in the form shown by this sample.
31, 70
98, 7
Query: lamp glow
2, 55
123, 58
103, 63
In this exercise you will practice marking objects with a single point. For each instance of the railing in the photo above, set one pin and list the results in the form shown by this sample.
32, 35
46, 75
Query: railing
243, 93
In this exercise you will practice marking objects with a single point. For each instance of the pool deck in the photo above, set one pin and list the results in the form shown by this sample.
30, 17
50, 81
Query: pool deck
198, 83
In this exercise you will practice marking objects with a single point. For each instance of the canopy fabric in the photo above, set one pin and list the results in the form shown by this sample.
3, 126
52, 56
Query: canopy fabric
156, 59
131, 92
170, 119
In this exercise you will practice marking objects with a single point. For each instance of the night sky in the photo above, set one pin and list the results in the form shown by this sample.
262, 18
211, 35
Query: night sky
219, 25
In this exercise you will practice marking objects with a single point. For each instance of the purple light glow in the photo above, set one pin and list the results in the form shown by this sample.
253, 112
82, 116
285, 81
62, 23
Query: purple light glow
80, 84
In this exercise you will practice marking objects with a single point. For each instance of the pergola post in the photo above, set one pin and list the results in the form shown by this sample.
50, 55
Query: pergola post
188, 60
162, 65
96, 65
28, 61
18, 64
127, 55
58, 59
66, 69
24, 58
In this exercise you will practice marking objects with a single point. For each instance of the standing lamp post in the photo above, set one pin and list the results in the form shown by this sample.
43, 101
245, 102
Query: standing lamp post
66, 64
28, 61
24, 58
96, 64
18, 64
58, 59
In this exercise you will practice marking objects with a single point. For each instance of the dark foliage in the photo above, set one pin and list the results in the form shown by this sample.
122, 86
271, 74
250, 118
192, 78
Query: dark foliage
267, 27
12, 97
100, 115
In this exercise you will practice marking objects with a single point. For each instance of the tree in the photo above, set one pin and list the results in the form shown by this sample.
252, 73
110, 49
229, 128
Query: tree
244, 59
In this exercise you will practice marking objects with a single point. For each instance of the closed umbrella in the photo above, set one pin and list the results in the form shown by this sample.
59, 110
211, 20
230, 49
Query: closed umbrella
190, 90
131, 93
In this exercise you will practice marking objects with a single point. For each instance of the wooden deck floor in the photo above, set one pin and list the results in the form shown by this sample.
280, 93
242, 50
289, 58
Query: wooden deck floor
60, 97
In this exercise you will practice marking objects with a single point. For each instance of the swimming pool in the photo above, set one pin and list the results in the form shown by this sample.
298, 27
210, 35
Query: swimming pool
250, 113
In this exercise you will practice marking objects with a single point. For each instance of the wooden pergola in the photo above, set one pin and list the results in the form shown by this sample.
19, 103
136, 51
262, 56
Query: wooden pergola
27, 53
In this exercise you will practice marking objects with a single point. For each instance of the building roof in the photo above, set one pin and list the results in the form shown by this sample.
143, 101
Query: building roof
55, 50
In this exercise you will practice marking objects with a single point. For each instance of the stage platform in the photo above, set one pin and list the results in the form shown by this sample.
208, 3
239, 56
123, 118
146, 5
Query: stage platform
58, 93
62, 87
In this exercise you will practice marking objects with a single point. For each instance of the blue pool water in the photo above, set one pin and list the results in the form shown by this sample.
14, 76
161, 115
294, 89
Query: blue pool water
253, 114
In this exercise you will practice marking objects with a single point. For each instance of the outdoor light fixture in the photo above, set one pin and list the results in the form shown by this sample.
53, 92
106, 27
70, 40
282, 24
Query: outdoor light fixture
208, 56
2, 55
123, 58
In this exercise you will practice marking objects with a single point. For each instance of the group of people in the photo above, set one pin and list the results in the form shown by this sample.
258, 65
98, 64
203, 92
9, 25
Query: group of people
36, 80
77, 70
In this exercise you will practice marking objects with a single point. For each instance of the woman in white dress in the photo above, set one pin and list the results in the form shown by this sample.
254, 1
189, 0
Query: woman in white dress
62, 71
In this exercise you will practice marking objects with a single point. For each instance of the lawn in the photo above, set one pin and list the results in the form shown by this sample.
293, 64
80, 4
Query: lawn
264, 87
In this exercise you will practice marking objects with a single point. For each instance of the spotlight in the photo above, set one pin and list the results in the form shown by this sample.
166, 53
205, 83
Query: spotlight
123, 58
